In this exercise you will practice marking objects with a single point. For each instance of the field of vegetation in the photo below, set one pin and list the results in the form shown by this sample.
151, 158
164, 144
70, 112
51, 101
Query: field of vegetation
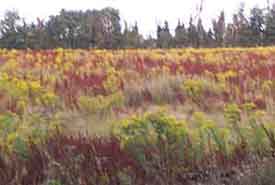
137, 117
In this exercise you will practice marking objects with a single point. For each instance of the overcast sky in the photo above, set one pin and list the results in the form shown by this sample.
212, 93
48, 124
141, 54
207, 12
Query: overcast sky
146, 12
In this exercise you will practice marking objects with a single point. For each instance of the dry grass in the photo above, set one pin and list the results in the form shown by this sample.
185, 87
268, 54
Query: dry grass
159, 90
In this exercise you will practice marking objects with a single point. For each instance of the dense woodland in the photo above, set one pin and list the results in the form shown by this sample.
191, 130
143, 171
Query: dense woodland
103, 29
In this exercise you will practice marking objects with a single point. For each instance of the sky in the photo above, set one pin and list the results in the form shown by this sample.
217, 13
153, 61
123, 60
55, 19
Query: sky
147, 13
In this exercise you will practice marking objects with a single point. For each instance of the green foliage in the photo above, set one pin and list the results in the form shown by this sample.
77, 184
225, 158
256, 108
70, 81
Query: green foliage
6, 123
87, 29
101, 105
131, 37
257, 22
17, 131
164, 37
199, 135
25, 92
150, 128
195, 89
152, 138
249, 107
20, 147
165, 133
258, 139
232, 114
180, 35
269, 33
219, 29
54, 182
208, 130
68, 29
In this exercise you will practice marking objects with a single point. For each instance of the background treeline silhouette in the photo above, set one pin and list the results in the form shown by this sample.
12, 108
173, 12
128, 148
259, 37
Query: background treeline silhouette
103, 29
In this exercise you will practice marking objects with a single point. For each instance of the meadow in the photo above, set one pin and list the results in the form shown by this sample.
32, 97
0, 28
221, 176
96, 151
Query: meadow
137, 116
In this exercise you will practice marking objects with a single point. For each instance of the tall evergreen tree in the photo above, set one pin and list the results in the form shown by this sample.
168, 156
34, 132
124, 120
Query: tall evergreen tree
10, 37
269, 34
256, 26
201, 34
243, 30
131, 37
181, 36
164, 37
102, 29
230, 35
192, 34
219, 29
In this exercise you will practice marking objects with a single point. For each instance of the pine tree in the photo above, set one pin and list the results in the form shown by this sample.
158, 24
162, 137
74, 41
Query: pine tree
230, 35
164, 37
256, 25
9, 26
243, 29
201, 34
192, 34
219, 29
269, 34
180, 35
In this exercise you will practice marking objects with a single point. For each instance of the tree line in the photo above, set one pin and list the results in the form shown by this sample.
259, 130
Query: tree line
103, 29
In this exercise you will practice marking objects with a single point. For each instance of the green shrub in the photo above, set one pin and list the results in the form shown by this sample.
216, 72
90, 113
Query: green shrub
150, 128
101, 105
